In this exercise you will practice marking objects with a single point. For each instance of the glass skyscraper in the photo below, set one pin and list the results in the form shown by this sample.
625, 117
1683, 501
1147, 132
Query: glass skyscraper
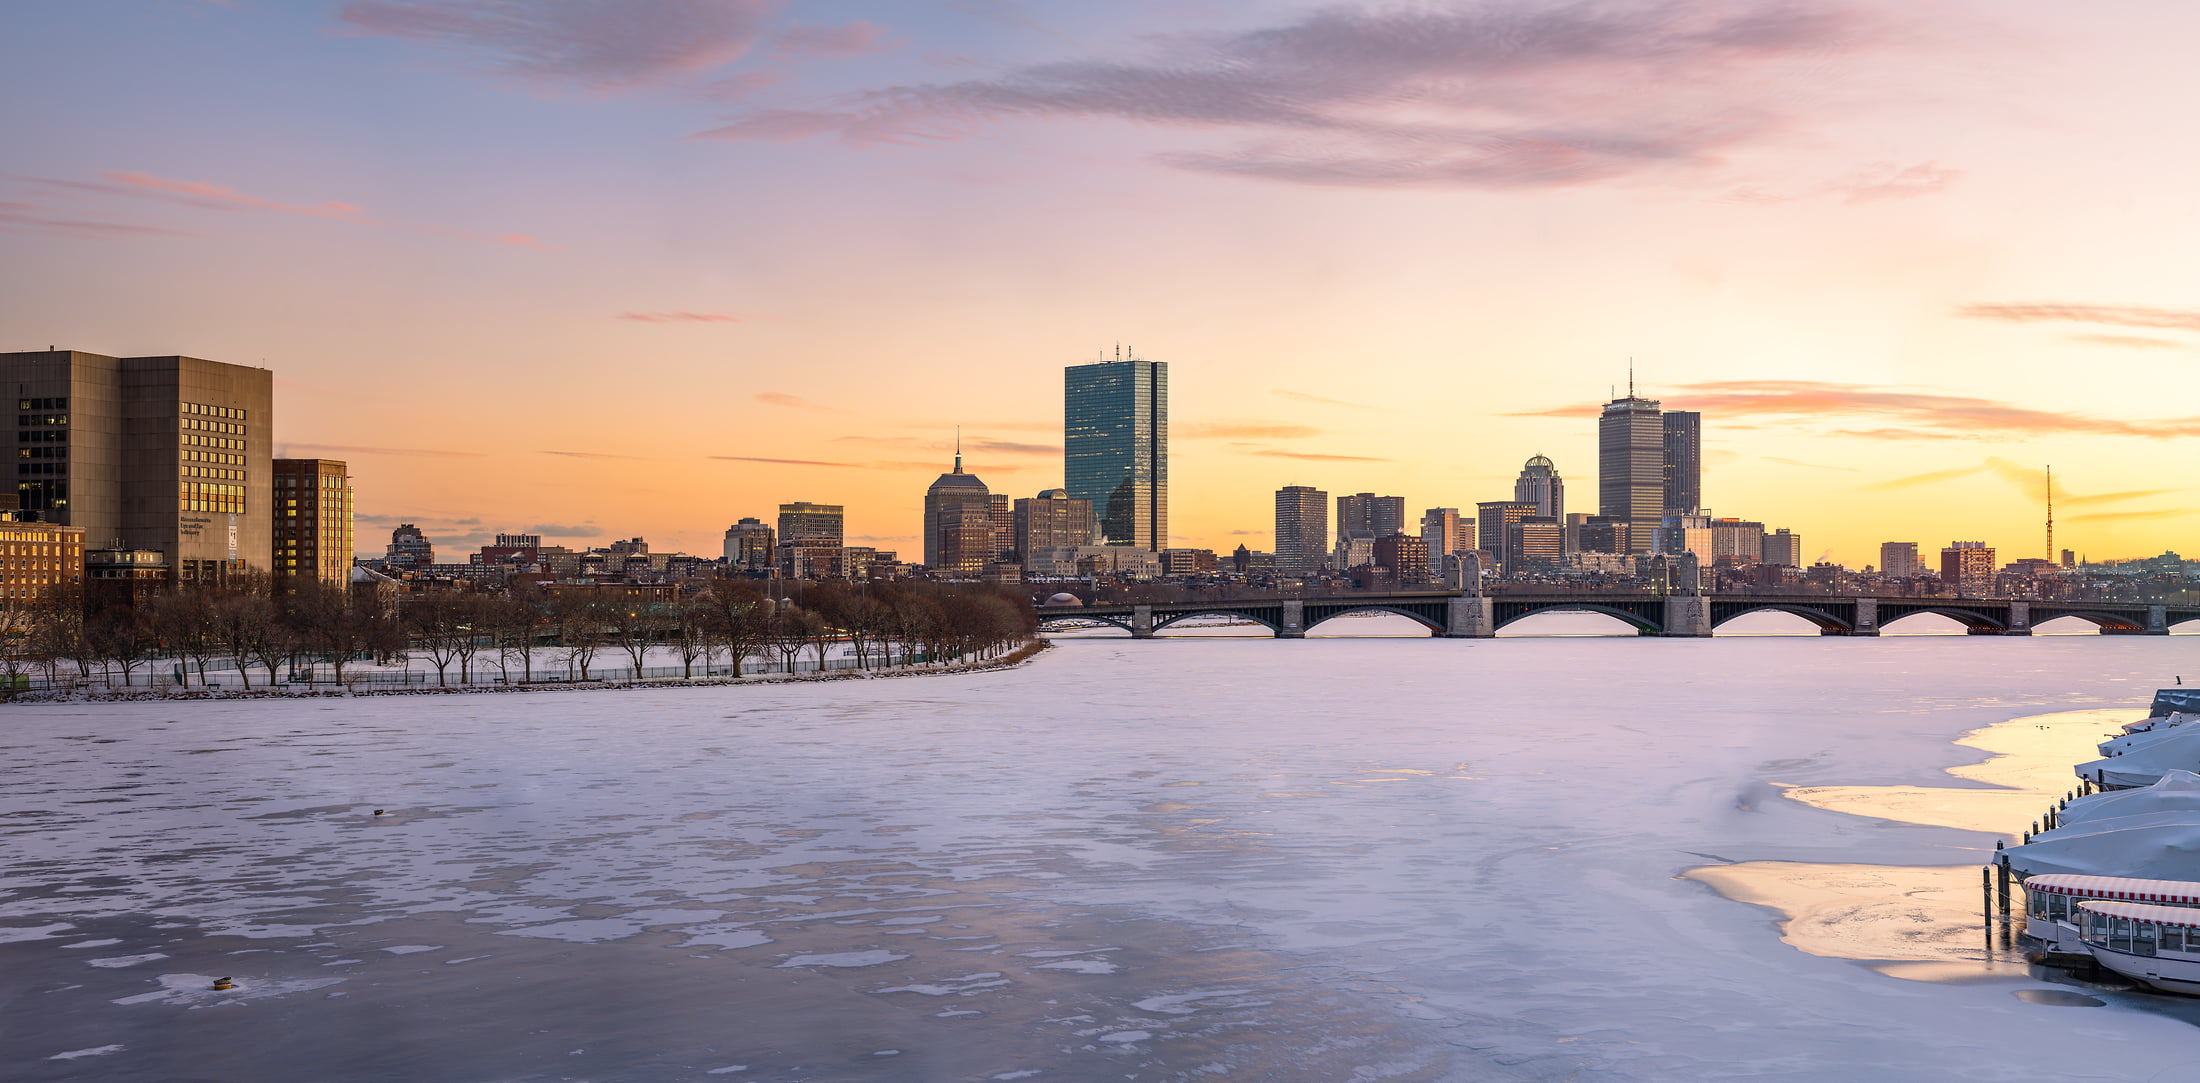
1683, 462
1115, 448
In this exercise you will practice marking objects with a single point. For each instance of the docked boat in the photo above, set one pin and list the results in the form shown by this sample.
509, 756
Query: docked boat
2052, 904
2146, 942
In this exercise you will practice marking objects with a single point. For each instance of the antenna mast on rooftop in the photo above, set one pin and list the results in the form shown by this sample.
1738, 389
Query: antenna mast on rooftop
2051, 557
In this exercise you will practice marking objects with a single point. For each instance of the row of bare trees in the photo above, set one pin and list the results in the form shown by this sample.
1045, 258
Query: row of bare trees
237, 626
245, 626
725, 619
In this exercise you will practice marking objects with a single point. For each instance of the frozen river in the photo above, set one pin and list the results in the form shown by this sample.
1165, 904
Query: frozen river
1198, 858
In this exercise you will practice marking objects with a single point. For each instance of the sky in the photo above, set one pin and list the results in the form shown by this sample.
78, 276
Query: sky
599, 269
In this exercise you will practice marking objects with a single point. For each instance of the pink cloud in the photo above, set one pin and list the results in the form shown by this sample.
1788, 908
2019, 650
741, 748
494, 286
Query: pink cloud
206, 195
604, 45
781, 398
680, 317
203, 193
1914, 414
1509, 94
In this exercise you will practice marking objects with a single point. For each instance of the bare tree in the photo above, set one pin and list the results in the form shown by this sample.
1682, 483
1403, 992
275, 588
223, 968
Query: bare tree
738, 618
243, 622
579, 620
632, 626
438, 623
691, 632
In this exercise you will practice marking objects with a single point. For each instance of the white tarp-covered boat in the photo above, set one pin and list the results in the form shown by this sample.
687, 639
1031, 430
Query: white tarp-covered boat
2153, 846
2176, 791
2051, 903
2143, 766
2142, 733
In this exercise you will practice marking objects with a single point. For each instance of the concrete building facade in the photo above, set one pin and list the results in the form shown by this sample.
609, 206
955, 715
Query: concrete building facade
165, 453
1302, 529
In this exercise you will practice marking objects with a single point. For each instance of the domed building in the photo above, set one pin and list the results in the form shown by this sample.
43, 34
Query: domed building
1062, 601
1539, 484
960, 530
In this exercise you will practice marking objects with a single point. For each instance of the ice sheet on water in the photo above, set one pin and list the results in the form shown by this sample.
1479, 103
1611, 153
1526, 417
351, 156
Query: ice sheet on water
1199, 795
844, 958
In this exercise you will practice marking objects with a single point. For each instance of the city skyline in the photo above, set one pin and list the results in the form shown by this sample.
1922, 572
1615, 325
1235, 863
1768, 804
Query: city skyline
1891, 313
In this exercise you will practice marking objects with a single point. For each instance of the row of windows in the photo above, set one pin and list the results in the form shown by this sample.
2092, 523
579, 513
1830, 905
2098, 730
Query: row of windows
213, 497
41, 419
203, 410
212, 472
41, 436
213, 457
328, 481
195, 440
42, 404
26, 469
204, 425
42, 452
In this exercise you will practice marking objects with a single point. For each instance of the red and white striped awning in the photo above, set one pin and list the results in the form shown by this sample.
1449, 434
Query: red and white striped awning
2172, 892
2152, 915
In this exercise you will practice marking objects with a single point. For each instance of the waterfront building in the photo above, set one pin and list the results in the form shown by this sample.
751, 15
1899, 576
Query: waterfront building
163, 453
1534, 543
1115, 447
1494, 522
1051, 520
1302, 529
1900, 560
1683, 462
1176, 562
1355, 549
1366, 513
1445, 533
959, 538
1631, 467
1540, 485
1782, 547
958, 523
408, 549
749, 545
38, 560
1004, 527
813, 562
313, 520
1406, 555
1093, 560
811, 526
1967, 565
1604, 534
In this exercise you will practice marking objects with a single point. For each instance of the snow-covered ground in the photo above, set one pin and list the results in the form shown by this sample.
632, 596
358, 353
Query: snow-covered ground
1206, 857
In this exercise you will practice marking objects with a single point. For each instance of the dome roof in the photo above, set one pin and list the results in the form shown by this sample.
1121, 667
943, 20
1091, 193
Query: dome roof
1064, 599
1540, 461
958, 480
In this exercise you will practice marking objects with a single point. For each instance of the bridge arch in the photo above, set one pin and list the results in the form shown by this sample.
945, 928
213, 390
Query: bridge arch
1059, 620
2106, 622
1163, 622
1826, 622
1971, 619
1633, 620
1434, 627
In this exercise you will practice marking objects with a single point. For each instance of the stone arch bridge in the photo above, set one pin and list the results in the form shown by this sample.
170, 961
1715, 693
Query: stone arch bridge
1454, 615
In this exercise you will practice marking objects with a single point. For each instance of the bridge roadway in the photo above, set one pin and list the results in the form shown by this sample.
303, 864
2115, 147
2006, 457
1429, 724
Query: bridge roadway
1456, 615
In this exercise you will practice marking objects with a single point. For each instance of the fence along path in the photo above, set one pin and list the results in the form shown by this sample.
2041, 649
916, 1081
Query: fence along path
161, 675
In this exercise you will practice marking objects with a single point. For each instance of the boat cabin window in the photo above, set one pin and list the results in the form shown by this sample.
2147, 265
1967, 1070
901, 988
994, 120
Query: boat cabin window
2173, 938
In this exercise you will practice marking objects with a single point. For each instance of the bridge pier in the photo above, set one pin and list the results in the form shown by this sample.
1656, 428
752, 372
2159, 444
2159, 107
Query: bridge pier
1141, 622
1294, 620
1687, 616
2020, 619
1867, 620
2157, 620
1469, 617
